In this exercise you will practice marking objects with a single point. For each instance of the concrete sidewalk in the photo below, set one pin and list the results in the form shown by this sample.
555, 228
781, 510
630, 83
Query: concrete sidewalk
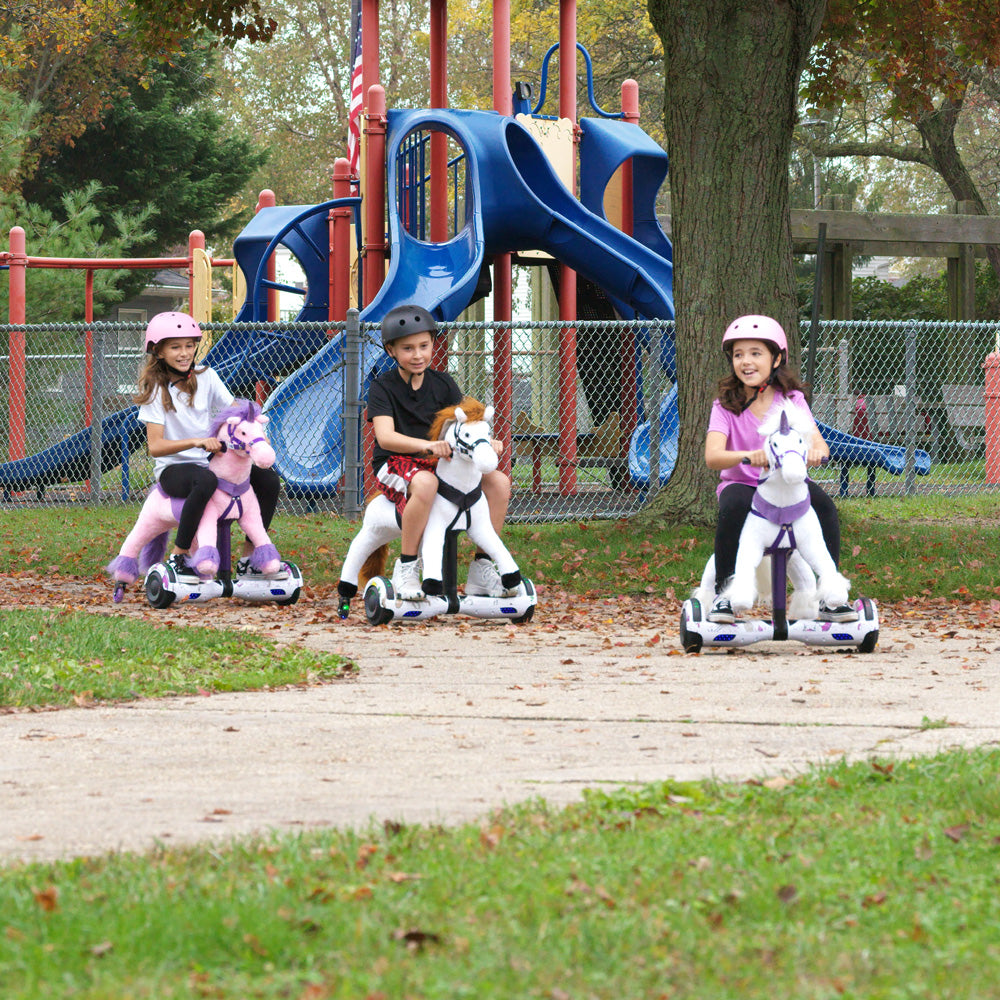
444, 722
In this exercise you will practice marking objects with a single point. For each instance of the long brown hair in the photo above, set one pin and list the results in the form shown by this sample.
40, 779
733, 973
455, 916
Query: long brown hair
733, 393
156, 376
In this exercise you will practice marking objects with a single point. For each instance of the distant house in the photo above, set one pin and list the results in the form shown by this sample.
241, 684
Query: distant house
883, 268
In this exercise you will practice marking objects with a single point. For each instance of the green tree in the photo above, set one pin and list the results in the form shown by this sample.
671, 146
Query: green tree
67, 61
168, 23
15, 131
78, 229
292, 96
617, 34
164, 144
732, 78
909, 69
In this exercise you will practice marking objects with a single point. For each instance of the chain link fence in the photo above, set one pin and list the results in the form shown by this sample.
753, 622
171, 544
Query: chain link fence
578, 400
915, 388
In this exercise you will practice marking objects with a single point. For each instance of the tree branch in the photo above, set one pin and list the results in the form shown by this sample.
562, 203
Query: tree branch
893, 150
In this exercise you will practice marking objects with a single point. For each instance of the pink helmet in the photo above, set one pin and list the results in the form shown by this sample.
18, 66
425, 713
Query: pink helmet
163, 326
757, 328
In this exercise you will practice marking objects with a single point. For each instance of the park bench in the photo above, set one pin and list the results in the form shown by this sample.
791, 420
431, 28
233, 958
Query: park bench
881, 420
599, 448
965, 410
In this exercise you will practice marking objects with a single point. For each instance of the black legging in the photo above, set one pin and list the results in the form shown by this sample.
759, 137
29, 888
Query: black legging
734, 506
195, 484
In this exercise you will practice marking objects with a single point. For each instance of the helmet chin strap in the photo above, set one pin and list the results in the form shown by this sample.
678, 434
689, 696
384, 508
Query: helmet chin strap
761, 389
180, 375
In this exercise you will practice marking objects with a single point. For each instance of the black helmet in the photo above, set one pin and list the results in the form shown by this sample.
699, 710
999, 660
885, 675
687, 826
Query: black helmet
404, 320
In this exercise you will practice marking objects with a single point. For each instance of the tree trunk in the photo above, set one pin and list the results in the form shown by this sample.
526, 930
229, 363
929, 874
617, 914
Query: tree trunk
732, 73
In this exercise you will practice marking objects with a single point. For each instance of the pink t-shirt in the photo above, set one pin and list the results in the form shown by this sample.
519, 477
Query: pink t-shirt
743, 434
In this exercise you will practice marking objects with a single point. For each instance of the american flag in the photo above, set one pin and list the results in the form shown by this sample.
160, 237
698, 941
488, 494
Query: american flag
354, 112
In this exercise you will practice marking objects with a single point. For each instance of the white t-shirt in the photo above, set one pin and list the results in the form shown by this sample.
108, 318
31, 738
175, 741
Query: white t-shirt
187, 420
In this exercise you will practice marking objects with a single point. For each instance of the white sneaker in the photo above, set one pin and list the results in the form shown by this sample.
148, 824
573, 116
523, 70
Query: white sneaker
838, 613
406, 581
484, 580
721, 611
244, 569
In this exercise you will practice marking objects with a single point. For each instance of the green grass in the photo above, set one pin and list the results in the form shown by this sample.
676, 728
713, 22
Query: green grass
63, 657
894, 548
875, 880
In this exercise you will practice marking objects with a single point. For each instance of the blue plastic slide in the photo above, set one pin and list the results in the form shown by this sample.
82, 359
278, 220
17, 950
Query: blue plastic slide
242, 357
847, 449
69, 460
605, 146
640, 444
515, 201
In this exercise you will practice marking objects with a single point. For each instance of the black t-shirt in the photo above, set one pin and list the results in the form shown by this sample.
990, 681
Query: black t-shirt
412, 411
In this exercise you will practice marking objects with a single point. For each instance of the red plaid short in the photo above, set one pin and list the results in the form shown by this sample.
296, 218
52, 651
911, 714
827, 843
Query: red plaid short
393, 479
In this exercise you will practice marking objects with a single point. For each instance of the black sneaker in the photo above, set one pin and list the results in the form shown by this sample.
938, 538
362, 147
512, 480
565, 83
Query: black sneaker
721, 611
179, 564
840, 613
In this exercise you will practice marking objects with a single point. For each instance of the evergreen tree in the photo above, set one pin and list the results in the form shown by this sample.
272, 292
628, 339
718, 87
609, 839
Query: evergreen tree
162, 145
78, 228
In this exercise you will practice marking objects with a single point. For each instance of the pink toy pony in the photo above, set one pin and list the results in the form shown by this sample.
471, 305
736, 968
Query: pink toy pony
241, 429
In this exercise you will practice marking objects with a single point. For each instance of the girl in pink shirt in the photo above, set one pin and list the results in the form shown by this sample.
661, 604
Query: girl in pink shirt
760, 380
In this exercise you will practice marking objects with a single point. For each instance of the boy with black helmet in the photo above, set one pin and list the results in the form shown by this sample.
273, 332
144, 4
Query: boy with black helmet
402, 404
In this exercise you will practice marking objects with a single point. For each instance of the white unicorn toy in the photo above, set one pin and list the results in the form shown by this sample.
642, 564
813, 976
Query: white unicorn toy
781, 525
459, 506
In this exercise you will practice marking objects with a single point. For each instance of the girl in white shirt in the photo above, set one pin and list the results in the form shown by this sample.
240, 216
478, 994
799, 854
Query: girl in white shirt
177, 402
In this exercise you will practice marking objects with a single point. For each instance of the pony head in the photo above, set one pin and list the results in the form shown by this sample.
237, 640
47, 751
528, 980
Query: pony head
467, 428
241, 427
786, 436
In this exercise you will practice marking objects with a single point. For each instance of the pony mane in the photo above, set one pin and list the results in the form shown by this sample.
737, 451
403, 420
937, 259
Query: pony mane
797, 420
472, 408
242, 408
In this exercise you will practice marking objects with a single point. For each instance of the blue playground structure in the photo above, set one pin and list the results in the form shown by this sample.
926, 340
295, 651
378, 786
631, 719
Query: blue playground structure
513, 201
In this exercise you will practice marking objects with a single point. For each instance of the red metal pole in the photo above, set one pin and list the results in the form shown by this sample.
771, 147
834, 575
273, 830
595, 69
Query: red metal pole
267, 199
17, 315
630, 109
439, 141
369, 47
630, 389
372, 153
88, 350
374, 243
340, 243
991, 394
502, 277
439, 207
567, 277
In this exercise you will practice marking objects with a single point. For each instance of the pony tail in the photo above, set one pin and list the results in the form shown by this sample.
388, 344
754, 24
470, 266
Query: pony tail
373, 566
